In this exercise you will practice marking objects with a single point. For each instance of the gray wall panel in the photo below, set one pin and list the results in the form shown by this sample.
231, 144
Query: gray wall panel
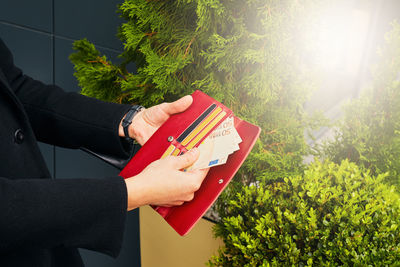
32, 51
92, 19
35, 14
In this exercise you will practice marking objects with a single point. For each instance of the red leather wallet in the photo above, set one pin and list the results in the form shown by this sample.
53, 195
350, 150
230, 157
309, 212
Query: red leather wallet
180, 133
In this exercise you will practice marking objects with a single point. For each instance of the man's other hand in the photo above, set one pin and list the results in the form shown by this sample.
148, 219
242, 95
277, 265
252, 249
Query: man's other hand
164, 183
146, 122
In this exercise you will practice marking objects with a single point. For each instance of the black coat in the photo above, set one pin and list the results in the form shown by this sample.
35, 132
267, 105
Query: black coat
42, 220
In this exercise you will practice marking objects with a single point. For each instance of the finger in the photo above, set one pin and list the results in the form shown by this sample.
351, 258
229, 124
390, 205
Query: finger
178, 106
200, 175
186, 160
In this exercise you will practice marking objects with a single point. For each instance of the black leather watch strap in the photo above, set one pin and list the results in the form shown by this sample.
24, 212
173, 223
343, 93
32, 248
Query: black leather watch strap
128, 119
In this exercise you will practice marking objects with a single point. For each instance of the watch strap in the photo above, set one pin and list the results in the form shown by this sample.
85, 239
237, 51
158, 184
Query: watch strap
128, 119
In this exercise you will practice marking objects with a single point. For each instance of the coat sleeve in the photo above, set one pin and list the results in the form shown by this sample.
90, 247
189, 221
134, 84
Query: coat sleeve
48, 213
67, 119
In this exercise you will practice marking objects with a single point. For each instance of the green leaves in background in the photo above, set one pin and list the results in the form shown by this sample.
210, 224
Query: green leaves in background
241, 53
369, 133
332, 215
251, 56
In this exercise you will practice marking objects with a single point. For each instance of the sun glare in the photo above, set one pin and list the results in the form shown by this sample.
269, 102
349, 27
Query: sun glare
341, 39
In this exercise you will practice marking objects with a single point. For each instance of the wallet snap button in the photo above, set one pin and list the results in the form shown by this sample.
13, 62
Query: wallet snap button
220, 181
170, 139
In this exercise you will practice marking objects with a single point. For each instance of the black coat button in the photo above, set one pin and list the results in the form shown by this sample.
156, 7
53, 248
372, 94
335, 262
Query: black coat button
19, 136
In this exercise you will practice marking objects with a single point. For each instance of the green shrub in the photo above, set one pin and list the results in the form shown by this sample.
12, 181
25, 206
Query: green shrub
333, 215
242, 53
246, 55
369, 133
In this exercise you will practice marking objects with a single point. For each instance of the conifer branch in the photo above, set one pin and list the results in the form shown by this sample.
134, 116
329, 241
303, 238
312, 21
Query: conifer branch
100, 60
150, 34
188, 47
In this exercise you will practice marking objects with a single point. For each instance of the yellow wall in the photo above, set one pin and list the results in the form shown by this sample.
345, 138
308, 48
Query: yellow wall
162, 246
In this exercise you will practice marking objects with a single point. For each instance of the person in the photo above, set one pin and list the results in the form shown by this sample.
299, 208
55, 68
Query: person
43, 221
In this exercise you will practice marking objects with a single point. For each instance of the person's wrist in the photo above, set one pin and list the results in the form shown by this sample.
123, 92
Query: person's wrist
133, 131
125, 124
135, 127
136, 192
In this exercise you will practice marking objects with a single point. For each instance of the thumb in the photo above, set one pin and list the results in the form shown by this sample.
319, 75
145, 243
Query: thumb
178, 106
187, 159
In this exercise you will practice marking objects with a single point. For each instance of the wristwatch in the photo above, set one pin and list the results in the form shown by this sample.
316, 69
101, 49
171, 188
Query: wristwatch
128, 119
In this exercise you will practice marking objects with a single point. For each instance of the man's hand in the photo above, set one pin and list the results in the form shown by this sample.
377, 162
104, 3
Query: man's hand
147, 121
163, 183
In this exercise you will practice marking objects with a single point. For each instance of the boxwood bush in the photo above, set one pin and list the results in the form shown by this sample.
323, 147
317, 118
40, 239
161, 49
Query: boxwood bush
333, 215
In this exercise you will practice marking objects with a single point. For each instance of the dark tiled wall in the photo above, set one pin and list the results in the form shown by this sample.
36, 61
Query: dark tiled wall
40, 35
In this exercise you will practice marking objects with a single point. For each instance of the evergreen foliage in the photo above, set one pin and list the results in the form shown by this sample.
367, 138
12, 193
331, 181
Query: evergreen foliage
246, 54
332, 215
241, 53
369, 134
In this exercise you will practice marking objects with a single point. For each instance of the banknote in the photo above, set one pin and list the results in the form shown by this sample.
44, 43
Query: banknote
206, 151
224, 141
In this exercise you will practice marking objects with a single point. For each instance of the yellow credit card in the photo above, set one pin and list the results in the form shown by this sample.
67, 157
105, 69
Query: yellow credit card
197, 130
168, 152
176, 152
206, 130
201, 126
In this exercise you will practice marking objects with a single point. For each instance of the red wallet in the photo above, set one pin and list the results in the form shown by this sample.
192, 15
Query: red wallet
180, 133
